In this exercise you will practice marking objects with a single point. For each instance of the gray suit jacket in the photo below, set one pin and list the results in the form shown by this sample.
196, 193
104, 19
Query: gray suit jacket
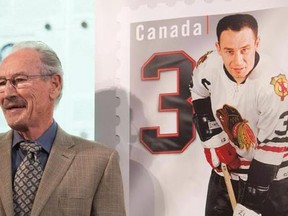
80, 178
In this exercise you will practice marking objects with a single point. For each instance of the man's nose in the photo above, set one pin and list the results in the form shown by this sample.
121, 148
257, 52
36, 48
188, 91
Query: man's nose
238, 58
9, 89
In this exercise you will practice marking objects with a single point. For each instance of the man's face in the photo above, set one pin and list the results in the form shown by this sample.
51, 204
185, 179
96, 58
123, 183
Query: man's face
237, 49
30, 106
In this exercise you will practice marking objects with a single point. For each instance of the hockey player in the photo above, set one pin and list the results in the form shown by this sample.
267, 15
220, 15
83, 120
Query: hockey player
241, 116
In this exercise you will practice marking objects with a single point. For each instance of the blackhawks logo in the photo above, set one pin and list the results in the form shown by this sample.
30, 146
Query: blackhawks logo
280, 84
203, 58
244, 135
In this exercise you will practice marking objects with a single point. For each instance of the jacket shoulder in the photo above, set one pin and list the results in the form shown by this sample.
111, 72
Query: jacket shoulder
6, 135
85, 143
80, 144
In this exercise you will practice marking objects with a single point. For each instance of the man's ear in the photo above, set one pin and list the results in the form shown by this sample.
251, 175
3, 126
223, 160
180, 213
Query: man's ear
217, 45
56, 86
257, 42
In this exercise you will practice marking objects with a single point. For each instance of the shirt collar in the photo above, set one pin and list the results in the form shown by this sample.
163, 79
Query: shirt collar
45, 140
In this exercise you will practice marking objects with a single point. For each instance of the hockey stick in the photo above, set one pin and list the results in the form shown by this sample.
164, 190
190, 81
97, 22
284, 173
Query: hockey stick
229, 185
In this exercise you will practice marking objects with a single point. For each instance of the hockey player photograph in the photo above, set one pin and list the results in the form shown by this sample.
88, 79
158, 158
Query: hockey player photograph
240, 113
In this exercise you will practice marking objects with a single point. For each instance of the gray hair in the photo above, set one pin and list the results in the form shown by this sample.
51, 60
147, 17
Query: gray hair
51, 63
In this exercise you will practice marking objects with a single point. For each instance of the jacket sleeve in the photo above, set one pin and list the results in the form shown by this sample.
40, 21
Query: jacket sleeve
109, 197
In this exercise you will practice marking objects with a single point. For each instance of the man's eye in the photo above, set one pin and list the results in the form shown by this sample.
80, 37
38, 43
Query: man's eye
244, 50
229, 52
3, 82
20, 79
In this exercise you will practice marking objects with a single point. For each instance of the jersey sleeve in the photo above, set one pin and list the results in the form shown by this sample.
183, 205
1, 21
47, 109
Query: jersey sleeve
273, 121
271, 152
200, 88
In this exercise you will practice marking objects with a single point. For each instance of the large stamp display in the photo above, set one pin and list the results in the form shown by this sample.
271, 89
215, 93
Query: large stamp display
159, 49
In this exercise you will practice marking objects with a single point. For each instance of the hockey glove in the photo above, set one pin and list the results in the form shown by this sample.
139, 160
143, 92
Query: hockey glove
221, 153
254, 192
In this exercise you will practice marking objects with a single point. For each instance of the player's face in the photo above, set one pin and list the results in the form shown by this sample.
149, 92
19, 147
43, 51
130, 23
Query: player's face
237, 49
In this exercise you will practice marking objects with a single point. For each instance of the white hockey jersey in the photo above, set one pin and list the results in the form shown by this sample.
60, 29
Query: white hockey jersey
260, 99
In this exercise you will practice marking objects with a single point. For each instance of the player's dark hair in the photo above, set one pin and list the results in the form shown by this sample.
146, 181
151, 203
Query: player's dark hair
236, 22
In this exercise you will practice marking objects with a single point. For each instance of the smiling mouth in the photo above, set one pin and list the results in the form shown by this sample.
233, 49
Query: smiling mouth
13, 104
13, 107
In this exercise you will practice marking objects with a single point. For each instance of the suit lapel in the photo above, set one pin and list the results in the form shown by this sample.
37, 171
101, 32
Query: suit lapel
6, 172
60, 158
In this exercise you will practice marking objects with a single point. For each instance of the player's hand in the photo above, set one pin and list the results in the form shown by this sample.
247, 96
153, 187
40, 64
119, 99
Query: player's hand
227, 154
222, 154
219, 150
241, 210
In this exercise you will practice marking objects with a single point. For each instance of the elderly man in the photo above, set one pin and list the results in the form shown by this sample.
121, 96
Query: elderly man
44, 170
